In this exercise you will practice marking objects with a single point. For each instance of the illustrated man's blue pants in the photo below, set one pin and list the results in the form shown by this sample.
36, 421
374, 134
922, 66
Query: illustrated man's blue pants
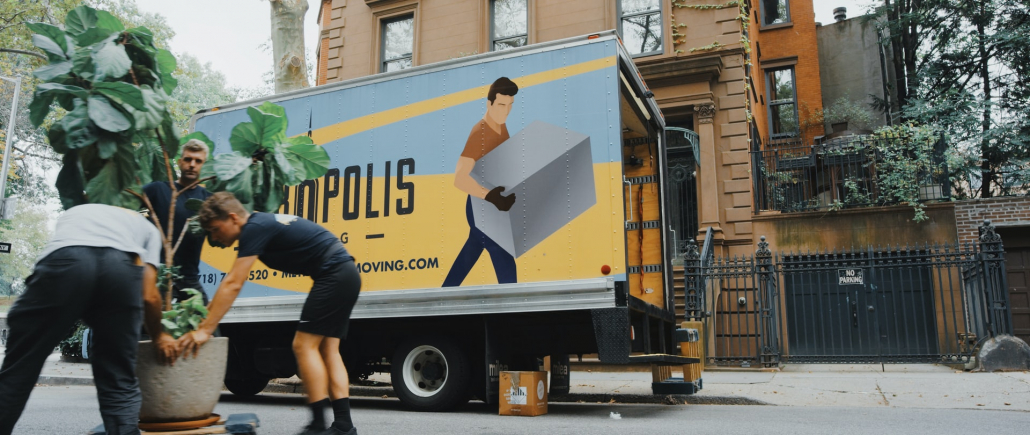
504, 263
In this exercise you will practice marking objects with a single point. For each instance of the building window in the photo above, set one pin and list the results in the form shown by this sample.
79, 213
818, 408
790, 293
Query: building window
509, 24
783, 107
398, 42
640, 25
775, 12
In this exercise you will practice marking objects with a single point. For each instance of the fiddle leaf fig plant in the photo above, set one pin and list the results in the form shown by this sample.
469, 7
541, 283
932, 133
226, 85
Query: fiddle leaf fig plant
264, 159
110, 86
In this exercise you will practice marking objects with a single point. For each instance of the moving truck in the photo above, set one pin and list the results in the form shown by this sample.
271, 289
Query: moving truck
568, 253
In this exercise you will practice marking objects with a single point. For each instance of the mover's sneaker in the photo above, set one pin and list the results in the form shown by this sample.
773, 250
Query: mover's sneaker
333, 430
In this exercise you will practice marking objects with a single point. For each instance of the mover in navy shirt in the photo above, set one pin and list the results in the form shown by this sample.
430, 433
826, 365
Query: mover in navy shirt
292, 245
187, 257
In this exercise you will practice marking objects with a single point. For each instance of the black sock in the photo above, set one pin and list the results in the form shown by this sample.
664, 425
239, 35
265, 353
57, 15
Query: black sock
318, 413
341, 412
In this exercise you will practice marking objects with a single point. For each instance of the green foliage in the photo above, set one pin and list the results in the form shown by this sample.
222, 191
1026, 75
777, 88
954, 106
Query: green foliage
264, 158
849, 111
906, 162
28, 233
185, 316
113, 83
72, 345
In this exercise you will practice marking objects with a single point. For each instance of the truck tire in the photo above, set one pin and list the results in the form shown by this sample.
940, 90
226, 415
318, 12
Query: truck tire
431, 374
246, 387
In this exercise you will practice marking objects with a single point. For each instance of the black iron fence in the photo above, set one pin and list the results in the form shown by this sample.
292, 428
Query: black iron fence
926, 304
845, 172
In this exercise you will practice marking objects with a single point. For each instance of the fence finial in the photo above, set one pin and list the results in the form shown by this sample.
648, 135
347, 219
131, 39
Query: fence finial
987, 233
691, 252
763, 248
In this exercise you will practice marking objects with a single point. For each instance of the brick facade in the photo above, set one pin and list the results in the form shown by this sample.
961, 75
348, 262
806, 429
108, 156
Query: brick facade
1002, 212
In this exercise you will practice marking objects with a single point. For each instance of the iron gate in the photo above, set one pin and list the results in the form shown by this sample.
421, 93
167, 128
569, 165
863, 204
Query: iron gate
926, 304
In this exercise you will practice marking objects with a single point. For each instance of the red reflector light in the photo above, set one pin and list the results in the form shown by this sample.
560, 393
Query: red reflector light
594, 36
606, 269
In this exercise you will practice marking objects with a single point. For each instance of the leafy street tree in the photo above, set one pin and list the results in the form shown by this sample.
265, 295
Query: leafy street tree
27, 233
117, 132
964, 66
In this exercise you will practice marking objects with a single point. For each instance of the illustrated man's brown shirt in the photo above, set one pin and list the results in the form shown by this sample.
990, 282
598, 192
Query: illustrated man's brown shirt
483, 139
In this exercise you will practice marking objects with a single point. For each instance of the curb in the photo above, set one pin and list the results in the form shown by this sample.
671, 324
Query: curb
64, 380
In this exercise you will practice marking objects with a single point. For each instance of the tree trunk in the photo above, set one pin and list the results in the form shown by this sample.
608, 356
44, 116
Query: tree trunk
897, 51
987, 163
291, 71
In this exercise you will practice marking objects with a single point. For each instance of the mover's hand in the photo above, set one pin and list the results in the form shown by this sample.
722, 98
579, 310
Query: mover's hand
503, 203
193, 341
167, 348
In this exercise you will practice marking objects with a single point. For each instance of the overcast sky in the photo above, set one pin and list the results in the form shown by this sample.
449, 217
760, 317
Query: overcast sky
228, 33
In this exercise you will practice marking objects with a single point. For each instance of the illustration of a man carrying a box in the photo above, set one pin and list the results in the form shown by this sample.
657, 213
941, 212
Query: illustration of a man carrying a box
486, 135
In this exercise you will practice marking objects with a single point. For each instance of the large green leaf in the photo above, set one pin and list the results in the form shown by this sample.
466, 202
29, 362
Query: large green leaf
270, 127
226, 166
118, 173
57, 89
53, 70
150, 160
165, 68
79, 130
194, 204
312, 158
70, 183
153, 112
122, 93
272, 109
199, 135
108, 22
169, 136
107, 145
142, 34
53, 32
111, 62
240, 186
245, 138
105, 116
82, 64
281, 163
80, 19
274, 184
39, 108
56, 138
53, 50
94, 35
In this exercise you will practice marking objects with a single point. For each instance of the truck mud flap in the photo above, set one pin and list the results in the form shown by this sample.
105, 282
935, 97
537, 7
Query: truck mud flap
611, 329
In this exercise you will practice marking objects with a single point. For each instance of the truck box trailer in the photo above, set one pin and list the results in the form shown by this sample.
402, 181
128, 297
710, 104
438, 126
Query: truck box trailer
572, 256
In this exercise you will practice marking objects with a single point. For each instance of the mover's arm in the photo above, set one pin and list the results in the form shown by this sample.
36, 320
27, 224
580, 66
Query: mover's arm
220, 304
163, 342
463, 178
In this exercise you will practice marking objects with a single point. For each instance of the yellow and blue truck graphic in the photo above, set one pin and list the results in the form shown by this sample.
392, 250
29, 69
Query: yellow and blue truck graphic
481, 197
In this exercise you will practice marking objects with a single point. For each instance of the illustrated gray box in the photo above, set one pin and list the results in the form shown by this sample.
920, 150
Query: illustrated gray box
550, 170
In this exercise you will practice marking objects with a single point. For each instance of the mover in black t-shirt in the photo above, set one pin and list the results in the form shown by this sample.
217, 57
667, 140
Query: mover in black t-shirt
298, 246
187, 256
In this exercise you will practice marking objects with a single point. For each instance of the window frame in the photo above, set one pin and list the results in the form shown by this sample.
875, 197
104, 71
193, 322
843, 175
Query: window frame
382, 40
619, 17
794, 101
492, 18
761, 17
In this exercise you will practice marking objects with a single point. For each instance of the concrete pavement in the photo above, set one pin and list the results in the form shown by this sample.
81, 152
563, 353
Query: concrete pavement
896, 386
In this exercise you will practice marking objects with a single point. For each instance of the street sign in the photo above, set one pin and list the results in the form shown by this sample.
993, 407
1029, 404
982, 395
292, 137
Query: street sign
850, 277
5, 248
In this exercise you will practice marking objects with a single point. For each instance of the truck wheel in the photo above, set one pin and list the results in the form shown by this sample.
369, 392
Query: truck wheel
246, 386
431, 374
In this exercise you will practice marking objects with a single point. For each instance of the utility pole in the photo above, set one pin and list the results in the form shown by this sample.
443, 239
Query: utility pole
4, 212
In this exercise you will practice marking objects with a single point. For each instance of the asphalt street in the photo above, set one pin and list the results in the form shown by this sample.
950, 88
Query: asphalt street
73, 410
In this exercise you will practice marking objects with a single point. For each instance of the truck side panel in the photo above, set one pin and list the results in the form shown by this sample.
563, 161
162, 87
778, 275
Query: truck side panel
394, 145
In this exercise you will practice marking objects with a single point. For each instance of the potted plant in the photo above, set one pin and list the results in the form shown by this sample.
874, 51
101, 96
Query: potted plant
846, 115
112, 86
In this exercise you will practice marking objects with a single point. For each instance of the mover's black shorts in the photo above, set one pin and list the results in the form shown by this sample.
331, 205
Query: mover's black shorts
327, 310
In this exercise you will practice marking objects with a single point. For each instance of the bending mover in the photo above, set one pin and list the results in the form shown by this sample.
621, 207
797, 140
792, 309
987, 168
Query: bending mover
298, 246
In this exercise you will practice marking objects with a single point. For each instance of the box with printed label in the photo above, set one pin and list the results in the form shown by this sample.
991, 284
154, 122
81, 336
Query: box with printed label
523, 393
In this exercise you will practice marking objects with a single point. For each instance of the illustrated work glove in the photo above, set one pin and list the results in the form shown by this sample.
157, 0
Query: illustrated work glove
503, 203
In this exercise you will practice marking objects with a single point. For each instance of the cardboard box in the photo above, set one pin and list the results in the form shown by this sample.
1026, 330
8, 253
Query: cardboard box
551, 172
523, 393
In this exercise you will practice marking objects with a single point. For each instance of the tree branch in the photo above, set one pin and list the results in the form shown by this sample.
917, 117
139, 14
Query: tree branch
195, 183
29, 53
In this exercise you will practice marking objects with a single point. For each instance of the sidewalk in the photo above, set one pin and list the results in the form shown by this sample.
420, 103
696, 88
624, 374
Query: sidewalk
900, 386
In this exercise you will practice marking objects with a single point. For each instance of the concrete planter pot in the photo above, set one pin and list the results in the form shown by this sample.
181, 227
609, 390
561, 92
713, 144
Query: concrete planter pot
187, 391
